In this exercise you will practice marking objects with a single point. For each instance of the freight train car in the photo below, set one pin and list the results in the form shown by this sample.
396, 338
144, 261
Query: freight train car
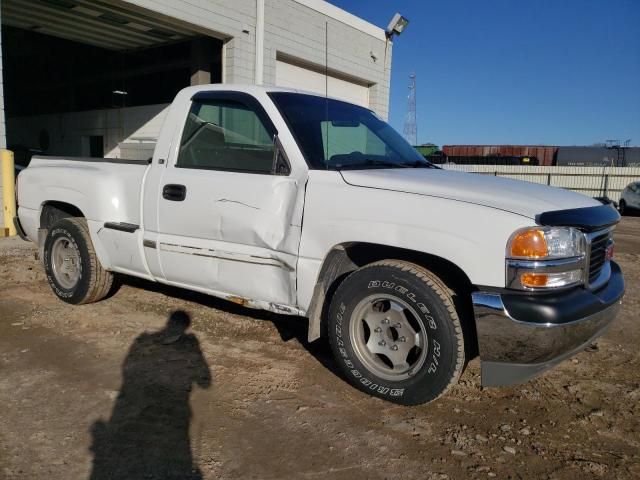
598, 156
501, 154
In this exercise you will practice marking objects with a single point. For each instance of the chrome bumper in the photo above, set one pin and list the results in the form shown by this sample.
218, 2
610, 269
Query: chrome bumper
521, 336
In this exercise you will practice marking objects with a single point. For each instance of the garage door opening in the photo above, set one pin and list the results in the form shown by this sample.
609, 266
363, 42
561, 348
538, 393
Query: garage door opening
78, 71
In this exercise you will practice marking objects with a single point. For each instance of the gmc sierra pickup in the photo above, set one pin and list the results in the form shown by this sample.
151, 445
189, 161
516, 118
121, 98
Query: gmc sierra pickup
311, 206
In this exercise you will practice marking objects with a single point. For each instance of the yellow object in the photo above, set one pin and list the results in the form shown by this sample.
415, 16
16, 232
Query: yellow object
534, 279
8, 192
530, 244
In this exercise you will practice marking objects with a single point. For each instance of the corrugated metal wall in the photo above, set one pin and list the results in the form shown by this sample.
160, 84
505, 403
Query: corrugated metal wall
590, 181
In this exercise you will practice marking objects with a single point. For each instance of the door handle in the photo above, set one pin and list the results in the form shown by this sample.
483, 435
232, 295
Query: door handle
173, 192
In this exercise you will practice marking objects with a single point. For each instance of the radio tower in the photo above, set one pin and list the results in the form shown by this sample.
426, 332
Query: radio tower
410, 124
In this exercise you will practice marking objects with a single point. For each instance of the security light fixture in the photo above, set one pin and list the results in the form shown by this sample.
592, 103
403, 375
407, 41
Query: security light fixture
397, 25
120, 92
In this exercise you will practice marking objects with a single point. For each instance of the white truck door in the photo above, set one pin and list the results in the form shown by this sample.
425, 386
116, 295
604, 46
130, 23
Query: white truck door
228, 223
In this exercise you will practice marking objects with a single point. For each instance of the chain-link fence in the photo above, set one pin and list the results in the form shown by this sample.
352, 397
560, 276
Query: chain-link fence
592, 181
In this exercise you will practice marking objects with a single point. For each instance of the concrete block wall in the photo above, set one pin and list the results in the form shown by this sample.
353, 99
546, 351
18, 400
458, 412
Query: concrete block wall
233, 22
292, 28
3, 129
297, 31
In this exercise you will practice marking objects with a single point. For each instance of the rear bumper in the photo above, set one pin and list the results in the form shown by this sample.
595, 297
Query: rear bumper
521, 336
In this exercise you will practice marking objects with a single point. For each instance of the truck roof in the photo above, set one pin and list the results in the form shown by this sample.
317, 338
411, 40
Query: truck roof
250, 89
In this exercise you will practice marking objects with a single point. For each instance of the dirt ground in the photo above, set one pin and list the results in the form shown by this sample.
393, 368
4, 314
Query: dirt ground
111, 390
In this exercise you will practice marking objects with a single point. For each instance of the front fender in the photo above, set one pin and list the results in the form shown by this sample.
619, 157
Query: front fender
472, 237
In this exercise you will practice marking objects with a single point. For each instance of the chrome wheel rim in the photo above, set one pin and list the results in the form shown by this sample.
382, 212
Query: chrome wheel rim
388, 337
65, 261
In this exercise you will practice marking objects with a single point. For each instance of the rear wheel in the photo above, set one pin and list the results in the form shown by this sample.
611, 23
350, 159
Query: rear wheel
71, 265
395, 332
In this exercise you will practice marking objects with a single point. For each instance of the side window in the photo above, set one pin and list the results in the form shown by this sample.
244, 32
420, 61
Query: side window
634, 187
225, 135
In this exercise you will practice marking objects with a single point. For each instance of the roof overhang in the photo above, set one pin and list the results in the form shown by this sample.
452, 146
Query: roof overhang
345, 17
105, 24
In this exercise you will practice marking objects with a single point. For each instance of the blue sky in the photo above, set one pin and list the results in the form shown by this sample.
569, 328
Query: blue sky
558, 72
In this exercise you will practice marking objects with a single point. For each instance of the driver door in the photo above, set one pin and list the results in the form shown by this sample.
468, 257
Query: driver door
228, 222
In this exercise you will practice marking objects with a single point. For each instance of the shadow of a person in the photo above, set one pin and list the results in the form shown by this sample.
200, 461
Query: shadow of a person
147, 436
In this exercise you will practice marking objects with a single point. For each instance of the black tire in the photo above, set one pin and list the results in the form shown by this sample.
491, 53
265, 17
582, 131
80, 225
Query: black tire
93, 282
622, 207
428, 299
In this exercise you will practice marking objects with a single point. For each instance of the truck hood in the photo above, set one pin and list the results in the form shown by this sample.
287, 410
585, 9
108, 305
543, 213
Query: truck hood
523, 198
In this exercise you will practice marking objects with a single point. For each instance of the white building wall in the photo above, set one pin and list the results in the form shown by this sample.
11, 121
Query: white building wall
297, 31
293, 28
3, 127
233, 22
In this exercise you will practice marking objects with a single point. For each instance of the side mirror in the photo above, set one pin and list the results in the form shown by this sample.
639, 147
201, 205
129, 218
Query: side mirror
281, 165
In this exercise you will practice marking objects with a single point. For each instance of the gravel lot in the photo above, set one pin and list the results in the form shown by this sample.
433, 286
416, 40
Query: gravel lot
106, 390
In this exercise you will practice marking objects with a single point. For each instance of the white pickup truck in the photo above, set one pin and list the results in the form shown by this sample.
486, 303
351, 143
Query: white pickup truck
310, 206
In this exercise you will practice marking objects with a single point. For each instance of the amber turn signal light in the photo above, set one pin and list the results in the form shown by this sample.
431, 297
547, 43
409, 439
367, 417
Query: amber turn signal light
530, 244
533, 280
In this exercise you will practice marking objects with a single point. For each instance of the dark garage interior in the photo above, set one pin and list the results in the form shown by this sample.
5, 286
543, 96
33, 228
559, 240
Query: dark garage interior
78, 75
45, 74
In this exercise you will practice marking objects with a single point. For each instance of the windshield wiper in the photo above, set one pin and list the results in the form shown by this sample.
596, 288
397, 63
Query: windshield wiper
371, 163
419, 164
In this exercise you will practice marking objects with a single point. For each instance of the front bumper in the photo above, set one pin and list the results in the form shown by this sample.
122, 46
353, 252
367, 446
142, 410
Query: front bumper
522, 335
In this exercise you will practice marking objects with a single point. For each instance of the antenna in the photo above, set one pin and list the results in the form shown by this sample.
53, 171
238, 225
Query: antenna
410, 123
326, 94
326, 59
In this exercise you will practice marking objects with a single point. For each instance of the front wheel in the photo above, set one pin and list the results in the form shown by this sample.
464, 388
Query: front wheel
395, 332
71, 264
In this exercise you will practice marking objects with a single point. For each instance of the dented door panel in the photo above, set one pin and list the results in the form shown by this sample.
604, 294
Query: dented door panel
243, 239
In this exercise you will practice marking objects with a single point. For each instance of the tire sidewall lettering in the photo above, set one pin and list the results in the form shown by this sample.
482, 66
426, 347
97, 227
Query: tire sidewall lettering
433, 364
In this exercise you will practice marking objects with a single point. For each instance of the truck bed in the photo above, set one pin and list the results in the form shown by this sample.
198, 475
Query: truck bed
105, 189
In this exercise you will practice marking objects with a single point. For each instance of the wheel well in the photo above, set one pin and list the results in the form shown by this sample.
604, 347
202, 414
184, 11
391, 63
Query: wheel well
53, 211
365, 253
346, 258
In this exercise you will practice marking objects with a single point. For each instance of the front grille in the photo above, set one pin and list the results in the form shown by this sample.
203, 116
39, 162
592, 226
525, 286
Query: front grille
597, 258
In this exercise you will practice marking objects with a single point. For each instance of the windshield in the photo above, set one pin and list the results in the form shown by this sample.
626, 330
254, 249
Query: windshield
335, 135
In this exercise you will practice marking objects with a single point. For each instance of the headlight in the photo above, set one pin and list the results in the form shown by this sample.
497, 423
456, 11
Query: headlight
545, 258
546, 243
